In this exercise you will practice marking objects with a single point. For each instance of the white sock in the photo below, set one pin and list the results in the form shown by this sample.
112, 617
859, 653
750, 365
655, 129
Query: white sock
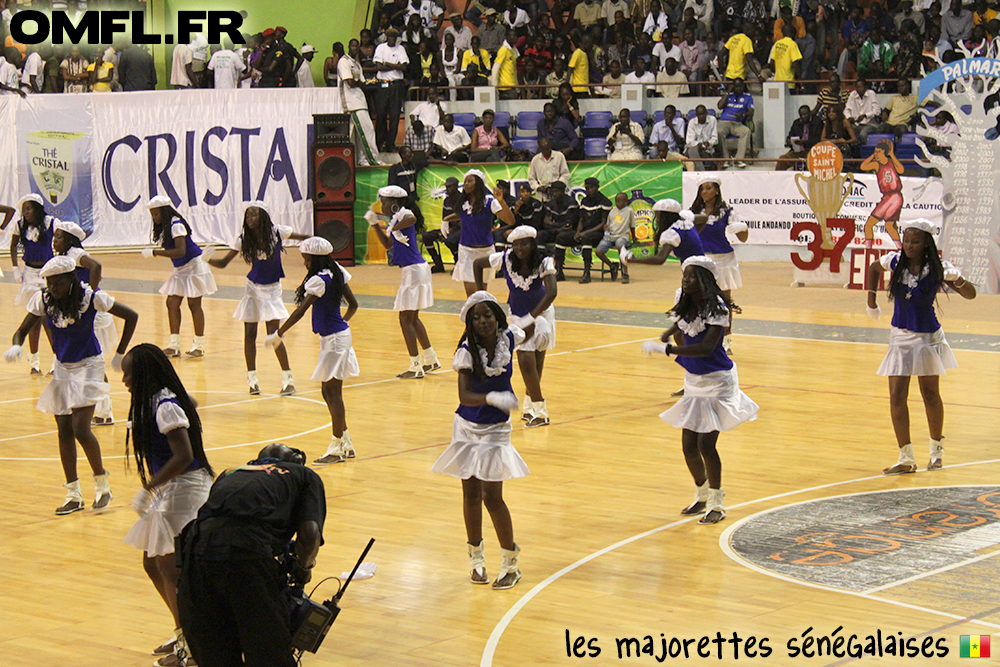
906, 456
286, 379
346, 437
538, 408
336, 446
937, 448
252, 378
198, 343
175, 342
33, 361
701, 492
415, 362
429, 355
526, 406
714, 501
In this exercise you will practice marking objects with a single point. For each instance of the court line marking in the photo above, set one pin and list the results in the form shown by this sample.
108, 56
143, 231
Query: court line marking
491, 644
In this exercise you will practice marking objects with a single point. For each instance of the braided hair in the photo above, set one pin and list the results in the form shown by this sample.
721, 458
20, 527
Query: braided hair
477, 198
255, 243
161, 229
534, 262
698, 205
318, 264
469, 336
688, 310
66, 309
665, 220
930, 259
152, 372
39, 216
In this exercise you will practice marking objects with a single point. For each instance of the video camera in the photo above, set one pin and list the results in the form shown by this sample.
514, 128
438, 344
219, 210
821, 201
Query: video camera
310, 621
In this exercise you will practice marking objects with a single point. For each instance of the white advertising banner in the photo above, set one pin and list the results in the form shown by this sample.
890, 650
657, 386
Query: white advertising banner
771, 203
101, 157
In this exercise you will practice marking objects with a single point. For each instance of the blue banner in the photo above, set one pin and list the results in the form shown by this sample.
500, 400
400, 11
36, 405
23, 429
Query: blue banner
989, 67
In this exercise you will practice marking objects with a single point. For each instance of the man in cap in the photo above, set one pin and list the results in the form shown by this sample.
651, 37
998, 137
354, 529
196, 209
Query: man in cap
392, 61
294, 58
492, 34
450, 232
594, 209
303, 75
462, 32
273, 62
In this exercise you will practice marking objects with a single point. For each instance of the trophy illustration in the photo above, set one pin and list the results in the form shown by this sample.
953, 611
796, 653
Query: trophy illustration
825, 184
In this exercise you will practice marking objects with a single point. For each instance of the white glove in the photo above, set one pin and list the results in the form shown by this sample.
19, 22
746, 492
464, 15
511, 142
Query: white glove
502, 400
116, 362
272, 341
625, 255
147, 252
371, 218
875, 313
13, 353
952, 274
208, 253
18, 274
543, 333
686, 215
654, 347
140, 503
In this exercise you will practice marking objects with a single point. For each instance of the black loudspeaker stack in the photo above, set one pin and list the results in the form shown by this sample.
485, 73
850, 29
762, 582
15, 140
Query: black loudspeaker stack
334, 190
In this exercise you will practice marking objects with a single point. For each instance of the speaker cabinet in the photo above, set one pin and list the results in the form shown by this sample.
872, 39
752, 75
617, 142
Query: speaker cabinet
333, 175
336, 225
332, 129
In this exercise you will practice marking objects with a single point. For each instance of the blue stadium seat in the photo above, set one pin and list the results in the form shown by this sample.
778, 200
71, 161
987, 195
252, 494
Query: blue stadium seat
658, 116
873, 139
595, 147
528, 143
596, 124
639, 116
466, 120
501, 120
909, 138
527, 122
691, 114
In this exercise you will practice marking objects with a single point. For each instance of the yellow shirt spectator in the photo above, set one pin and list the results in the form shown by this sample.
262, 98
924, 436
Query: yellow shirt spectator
785, 52
506, 69
103, 73
482, 60
739, 46
579, 71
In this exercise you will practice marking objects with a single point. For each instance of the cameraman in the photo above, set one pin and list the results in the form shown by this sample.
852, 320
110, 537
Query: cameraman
232, 593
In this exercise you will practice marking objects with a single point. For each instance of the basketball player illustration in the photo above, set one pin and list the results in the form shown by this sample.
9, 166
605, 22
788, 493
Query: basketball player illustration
887, 169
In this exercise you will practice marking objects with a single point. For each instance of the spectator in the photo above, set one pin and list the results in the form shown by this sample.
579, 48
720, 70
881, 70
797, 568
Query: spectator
558, 131
556, 78
51, 79
531, 77
384, 23
459, 31
587, 14
899, 112
487, 141
594, 209
392, 61
693, 57
671, 83
643, 50
429, 11
136, 70
641, 76
878, 18
737, 110
803, 135
449, 233
619, 27
451, 61
945, 132
704, 11
738, 53
689, 22
492, 34
419, 138
956, 24
832, 95
561, 50
909, 56
853, 34
656, 21
451, 142
430, 112
528, 210
540, 55
32, 72
199, 57
665, 49
786, 18
478, 55
702, 137
425, 60
663, 154
613, 80
405, 174
180, 69
786, 59
579, 65
807, 49
625, 138
566, 105
875, 56
597, 62
906, 13
621, 52
984, 13
412, 36
863, 110
225, 68
838, 130
610, 10
561, 216
506, 67
273, 64
352, 94
670, 130
100, 73
398, 12
515, 18
619, 232
471, 80
546, 168
9, 74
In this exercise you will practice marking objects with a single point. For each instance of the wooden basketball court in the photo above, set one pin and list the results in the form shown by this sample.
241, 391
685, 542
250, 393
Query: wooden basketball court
605, 554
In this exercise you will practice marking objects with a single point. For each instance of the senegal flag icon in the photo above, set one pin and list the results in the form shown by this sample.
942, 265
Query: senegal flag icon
974, 646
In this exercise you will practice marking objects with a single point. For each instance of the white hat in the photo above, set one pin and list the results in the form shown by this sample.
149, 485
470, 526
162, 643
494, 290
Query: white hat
923, 224
475, 172
477, 297
709, 178
702, 261
158, 201
307, 48
57, 266
70, 227
315, 245
392, 192
256, 204
686, 215
669, 205
32, 197
522, 232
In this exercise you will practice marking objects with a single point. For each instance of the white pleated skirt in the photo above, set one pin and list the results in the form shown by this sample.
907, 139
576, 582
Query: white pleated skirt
463, 272
191, 280
538, 342
31, 282
729, 271
912, 353
77, 385
261, 303
175, 504
482, 451
416, 291
711, 402
337, 360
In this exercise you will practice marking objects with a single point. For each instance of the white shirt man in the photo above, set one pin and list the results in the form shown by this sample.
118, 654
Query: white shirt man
390, 55
698, 133
354, 102
863, 109
178, 72
228, 67
304, 75
645, 78
609, 7
661, 132
544, 171
624, 147
33, 67
9, 76
663, 51
429, 12
517, 19
452, 141
429, 113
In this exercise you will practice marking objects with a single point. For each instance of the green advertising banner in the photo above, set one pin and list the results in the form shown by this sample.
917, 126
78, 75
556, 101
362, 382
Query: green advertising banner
642, 182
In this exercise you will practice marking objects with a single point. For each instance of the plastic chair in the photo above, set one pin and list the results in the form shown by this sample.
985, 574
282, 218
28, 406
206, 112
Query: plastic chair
873, 139
595, 147
657, 116
528, 143
597, 124
466, 120
640, 116
501, 120
528, 120
909, 138
691, 114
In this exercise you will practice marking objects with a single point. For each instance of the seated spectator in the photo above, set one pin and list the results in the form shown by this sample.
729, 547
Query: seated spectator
419, 139
702, 137
451, 142
587, 14
546, 168
839, 131
619, 28
436, 79
900, 111
863, 110
478, 55
619, 233
471, 79
702, 10
539, 54
853, 34
664, 154
940, 133
786, 18
556, 78
905, 13
613, 81
514, 17
665, 49
621, 53
643, 51
567, 105
594, 209
786, 59
689, 22
656, 21
694, 54
669, 130
487, 141
875, 56
670, 82
737, 109
450, 232
461, 33
803, 135
832, 95
956, 23
598, 62
561, 216
640, 75
559, 131
492, 33
625, 138
430, 112
531, 77
528, 210
984, 13
561, 51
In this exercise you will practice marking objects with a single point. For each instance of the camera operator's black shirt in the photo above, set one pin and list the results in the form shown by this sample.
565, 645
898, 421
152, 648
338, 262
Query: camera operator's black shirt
254, 510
